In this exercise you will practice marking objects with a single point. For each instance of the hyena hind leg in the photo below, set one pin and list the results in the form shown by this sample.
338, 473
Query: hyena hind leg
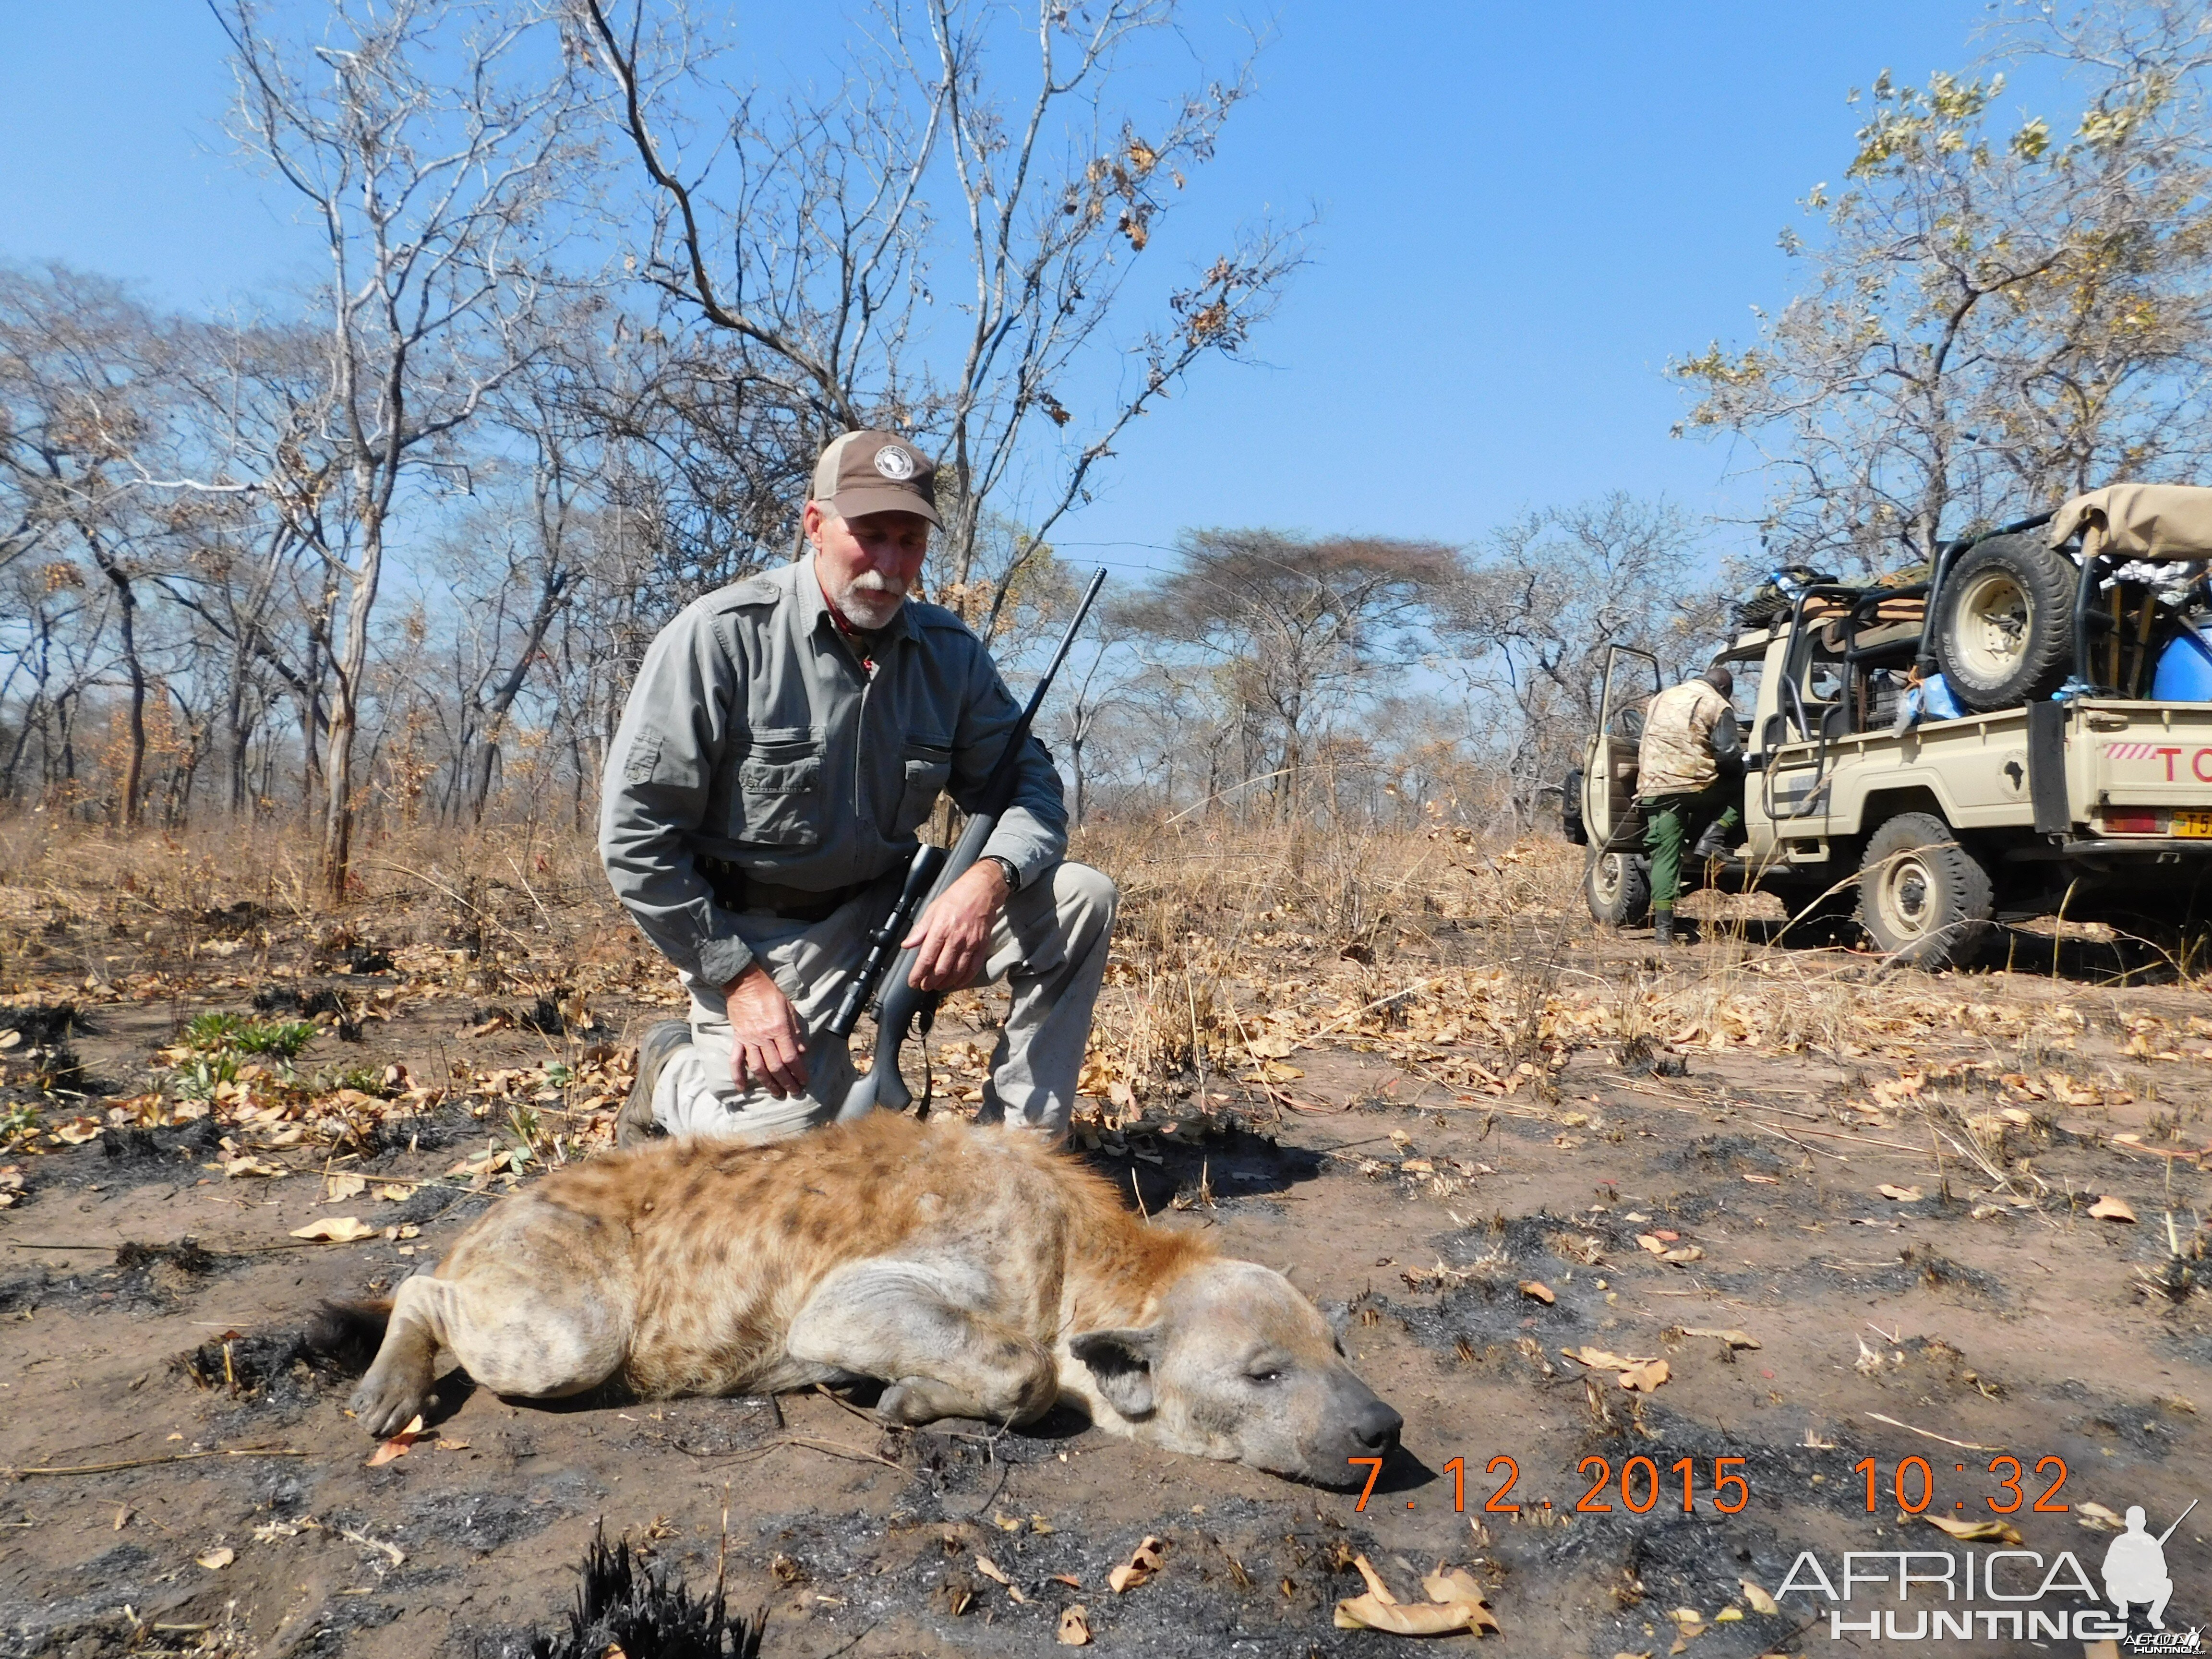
893, 1321
398, 1385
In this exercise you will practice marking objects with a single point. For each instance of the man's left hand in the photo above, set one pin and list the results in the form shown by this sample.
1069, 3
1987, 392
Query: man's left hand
954, 935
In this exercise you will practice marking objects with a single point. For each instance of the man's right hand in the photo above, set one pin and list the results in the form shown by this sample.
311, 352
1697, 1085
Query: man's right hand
766, 1049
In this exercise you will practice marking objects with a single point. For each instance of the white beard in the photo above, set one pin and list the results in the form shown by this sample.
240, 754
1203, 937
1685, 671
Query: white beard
870, 600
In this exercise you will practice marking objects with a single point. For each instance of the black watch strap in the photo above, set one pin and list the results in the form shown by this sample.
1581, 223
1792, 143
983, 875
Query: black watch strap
1013, 876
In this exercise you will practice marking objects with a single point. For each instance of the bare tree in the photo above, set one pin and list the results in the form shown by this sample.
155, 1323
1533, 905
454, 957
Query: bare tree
1547, 591
86, 384
425, 142
823, 251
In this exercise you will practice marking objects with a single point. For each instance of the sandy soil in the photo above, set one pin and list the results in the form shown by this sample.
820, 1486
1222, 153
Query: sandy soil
1946, 1324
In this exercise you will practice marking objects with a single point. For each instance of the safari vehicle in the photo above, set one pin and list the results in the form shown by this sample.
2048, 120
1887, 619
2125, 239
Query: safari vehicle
2061, 761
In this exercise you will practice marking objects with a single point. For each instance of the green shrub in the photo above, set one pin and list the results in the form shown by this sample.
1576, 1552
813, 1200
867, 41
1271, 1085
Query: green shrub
237, 1034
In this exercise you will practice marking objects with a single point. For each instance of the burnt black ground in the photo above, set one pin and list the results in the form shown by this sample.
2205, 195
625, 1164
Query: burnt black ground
2030, 1331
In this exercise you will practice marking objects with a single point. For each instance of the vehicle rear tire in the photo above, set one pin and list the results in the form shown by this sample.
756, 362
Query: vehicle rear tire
2004, 627
1570, 808
1617, 887
1924, 898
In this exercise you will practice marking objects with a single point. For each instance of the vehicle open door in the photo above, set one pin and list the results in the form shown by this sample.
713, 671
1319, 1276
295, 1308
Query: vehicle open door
1609, 808
1616, 886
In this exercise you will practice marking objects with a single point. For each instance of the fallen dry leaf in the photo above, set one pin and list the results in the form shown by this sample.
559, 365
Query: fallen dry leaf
2109, 1208
216, 1560
1458, 1586
1074, 1627
1599, 1359
1538, 1291
1143, 1561
336, 1229
339, 1187
398, 1446
2097, 1518
991, 1570
1901, 1194
1643, 1379
1735, 1339
1975, 1532
1760, 1599
1455, 1604
1652, 1243
246, 1165
1684, 1256
77, 1131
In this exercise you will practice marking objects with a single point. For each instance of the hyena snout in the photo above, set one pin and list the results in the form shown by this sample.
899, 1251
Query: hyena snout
1357, 1425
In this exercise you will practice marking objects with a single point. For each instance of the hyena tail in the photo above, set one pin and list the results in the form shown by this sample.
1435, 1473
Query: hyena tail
350, 1333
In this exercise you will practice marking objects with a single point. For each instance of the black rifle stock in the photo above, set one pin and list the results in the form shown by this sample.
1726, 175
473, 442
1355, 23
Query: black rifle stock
901, 1008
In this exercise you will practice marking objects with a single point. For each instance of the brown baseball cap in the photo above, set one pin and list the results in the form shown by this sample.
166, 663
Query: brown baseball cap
876, 472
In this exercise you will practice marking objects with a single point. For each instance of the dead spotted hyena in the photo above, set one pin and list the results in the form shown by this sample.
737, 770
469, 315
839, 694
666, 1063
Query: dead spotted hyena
976, 1272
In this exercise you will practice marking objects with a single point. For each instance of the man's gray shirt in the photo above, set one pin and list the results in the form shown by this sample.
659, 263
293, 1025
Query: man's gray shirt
753, 734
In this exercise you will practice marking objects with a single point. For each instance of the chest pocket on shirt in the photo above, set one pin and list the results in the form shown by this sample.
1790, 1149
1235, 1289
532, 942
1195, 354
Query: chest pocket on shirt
928, 770
779, 799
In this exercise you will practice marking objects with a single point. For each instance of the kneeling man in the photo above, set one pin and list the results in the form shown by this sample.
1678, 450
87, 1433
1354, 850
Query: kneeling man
784, 741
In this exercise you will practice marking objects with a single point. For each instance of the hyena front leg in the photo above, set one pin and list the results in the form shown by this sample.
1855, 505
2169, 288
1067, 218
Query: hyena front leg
895, 1320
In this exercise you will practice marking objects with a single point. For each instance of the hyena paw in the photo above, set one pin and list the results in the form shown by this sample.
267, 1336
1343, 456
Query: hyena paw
909, 1404
385, 1405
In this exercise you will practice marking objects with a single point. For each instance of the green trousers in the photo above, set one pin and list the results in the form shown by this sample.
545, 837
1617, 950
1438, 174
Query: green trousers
1671, 822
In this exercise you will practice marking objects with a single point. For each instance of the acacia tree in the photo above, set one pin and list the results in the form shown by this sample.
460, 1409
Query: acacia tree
816, 245
425, 140
1291, 631
1992, 319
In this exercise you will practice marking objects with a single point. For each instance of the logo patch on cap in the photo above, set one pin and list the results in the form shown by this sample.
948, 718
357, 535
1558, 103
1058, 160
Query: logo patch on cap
895, 464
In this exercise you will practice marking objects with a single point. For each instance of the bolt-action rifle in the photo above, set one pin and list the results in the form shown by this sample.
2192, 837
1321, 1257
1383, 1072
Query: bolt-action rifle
888, 966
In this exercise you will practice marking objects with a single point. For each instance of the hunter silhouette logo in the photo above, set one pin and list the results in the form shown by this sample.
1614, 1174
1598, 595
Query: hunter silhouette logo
2135, 1567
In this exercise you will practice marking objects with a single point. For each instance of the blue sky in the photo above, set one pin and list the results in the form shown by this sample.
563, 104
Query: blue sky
1525, 211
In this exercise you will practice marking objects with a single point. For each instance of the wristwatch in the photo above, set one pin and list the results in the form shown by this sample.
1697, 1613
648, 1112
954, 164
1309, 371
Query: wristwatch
1013, 876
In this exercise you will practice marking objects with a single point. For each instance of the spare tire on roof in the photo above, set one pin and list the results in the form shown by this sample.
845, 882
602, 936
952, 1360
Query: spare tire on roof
2004, 621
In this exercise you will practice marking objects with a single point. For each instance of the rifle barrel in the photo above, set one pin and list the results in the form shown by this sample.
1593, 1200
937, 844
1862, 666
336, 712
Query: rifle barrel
2178, 1520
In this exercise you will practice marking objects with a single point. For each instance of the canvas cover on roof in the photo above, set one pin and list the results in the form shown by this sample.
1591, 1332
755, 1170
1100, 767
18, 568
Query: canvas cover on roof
2139, 521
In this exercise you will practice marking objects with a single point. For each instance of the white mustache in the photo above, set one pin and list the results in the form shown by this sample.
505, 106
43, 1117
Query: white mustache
874, 581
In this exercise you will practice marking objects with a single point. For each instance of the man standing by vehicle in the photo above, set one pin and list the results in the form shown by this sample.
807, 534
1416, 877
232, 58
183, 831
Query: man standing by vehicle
1689, 768
786, 738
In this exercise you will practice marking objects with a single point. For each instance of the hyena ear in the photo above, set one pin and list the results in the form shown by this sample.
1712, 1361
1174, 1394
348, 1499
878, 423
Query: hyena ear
1338, 1315
1121, 1364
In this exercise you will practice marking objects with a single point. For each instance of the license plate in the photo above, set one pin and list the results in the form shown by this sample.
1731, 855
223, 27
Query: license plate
2192, 824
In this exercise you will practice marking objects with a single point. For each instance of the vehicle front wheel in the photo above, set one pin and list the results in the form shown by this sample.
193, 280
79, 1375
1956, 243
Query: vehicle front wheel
1924, 898
1618, 888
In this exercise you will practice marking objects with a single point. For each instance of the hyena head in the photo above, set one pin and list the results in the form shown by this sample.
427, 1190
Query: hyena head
1239, 1367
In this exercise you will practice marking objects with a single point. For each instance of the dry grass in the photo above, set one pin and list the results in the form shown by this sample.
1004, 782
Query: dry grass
1240, 950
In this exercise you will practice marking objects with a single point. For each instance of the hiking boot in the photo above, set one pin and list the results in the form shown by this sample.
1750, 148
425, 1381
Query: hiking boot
1713, 844
1662, 927
662, 1040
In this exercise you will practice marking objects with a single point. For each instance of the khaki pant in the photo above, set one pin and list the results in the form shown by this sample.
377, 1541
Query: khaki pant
1049, 944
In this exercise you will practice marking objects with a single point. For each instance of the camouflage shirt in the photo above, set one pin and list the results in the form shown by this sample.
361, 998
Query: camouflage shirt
1687, 729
